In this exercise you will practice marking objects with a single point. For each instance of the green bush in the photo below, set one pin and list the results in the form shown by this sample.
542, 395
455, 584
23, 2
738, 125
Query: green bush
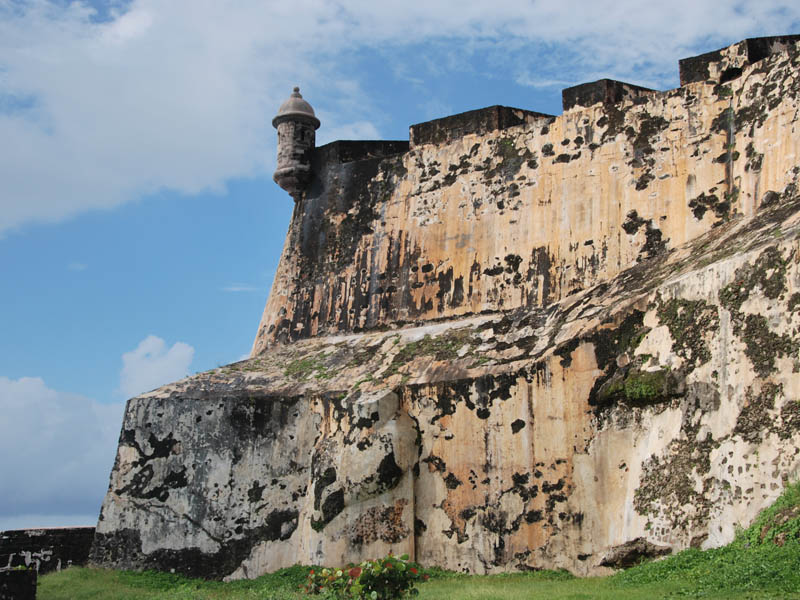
387, 578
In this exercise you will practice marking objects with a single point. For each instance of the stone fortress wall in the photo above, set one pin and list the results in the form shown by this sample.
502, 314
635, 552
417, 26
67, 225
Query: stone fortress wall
502, 208
516, 341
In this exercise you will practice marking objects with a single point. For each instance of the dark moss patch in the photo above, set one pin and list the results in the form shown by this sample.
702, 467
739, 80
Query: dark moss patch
727, 156
754, 115
763, 346
767, 272
705, 202
689, 321
533, 516
754, 420
794, 301
451, 481
389, 473
633, 222
754, 159
332, 506
255, 492
790, 419
667, 481
723, 121
493, 271
634, 387
610, 343
613, 120
649, 126
654, 243
443, 347
327, 478
507, 160
643, 181
565, 351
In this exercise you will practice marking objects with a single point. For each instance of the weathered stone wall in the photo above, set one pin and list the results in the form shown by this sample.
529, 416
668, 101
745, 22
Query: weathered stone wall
18, 585
529, 213
45, 549
223, 479
504, 355
658, 409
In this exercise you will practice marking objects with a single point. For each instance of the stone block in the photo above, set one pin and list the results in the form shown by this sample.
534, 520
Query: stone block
481, 121
727, 63
609, 91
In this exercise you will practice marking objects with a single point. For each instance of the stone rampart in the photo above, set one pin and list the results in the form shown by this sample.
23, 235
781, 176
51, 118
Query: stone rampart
45, 549
520, 342
500, 208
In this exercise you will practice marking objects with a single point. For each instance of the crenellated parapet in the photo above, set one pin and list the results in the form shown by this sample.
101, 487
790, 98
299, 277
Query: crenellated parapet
472, 122
725, 64
607, 91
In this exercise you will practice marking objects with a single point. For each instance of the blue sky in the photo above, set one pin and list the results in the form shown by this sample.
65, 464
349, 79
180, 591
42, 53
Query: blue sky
139, 225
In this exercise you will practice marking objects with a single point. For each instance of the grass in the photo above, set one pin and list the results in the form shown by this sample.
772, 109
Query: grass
82, 583
78, 583
303, 368
763, 562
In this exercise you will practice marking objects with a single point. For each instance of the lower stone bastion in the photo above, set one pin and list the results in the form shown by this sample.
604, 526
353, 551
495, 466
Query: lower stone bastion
516, 341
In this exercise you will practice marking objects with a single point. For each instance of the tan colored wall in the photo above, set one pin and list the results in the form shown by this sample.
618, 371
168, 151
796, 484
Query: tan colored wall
657, 410
493, 222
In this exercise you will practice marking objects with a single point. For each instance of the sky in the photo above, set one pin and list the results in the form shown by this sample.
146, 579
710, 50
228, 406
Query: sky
139, 225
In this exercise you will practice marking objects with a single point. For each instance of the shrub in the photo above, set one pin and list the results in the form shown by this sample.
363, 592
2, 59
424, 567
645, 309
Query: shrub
387, 578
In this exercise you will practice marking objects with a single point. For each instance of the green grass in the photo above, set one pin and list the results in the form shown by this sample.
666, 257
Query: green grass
763, 562
79, 583
763, 559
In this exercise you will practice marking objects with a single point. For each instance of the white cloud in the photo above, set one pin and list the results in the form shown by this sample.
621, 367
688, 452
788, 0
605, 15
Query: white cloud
180, 94
360, 130
58, 450
531, 80
76, 266
152, 365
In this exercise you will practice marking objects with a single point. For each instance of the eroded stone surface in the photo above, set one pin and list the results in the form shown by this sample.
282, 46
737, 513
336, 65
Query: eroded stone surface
587, 369
539, 438
530, 213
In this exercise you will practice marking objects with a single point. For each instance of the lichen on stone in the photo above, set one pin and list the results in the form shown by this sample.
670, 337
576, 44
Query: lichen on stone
689, 322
